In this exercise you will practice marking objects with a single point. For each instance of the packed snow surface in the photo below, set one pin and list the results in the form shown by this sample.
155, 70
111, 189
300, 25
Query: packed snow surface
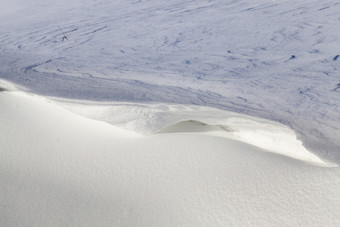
169, 113
58, 168
277, 60
170, 118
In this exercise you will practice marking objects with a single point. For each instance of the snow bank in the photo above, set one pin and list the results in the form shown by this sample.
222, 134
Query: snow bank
171, 118
271, 59
61, 169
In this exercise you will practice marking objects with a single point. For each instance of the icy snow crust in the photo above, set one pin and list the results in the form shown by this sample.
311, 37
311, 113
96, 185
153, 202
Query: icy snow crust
277, 60
61, 169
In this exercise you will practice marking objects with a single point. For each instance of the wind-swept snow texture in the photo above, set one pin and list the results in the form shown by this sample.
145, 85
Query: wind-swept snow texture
277, 60
149, 119
60, 169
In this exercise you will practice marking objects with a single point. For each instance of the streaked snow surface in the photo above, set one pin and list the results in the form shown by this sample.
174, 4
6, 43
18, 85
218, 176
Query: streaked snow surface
277, 60
61, 169
169, 113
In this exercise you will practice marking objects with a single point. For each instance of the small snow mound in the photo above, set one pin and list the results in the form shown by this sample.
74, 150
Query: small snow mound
191, 126
149, 119
267, 135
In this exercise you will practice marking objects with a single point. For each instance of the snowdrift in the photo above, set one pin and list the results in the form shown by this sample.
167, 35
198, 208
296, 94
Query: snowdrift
277, 60
135, 159
61, 169
148, 119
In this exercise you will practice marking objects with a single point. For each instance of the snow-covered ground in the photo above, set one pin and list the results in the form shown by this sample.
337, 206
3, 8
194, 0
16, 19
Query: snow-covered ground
277, 60
58, 168
169, 113
149, 119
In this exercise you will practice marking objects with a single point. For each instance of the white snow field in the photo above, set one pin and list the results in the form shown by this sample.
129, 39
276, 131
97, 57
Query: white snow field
277, 60
58, 168
169, 113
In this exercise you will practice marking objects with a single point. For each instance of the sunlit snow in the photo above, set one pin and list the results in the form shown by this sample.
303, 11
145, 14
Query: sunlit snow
169, 113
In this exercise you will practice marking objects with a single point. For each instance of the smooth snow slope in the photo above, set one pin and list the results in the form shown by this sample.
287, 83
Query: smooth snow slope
277, 60
148, 119
61, 169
